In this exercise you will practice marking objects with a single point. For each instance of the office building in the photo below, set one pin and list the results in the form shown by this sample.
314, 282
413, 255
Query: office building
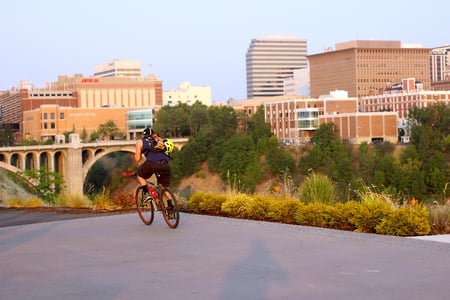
294, 120
401, 98
185, 93
270, 60
366, 68
118, 68
78, 92
440, 64
52, 120
298, 84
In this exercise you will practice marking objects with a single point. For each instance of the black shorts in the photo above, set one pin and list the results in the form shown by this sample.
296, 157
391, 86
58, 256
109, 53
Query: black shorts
147, 169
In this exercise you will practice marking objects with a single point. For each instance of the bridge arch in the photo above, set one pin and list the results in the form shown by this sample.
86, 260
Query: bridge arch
72, 161
96, 154
16, 172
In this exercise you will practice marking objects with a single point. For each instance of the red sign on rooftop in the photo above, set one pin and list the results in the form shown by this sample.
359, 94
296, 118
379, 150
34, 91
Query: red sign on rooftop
89, 80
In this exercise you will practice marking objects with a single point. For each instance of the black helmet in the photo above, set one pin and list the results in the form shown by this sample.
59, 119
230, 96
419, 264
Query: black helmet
147, 132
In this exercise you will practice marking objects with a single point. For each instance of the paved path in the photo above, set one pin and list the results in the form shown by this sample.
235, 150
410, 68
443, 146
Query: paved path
117, 257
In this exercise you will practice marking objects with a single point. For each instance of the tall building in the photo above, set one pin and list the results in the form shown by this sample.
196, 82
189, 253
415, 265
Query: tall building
440, 64
118, 68
270, 60
366, 68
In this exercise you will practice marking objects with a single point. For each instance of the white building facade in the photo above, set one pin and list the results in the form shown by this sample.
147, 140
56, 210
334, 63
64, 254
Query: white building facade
270, 60
118, 68
188, 94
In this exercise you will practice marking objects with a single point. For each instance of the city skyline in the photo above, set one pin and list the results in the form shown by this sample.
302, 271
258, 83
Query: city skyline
201, 42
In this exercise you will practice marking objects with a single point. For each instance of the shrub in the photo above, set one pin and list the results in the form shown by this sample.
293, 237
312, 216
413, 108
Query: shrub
316, 214
317, 188
123, 200
369, 213
236, 205
405, 221
69, 200
102, 202
440, 219
259, 207
284, 210
343, 214
31, 202
204, 202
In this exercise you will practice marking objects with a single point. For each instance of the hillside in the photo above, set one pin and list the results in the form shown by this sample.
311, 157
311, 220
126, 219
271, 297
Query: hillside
204, 181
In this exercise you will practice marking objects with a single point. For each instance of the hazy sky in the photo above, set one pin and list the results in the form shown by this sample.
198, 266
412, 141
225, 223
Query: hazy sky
200, 41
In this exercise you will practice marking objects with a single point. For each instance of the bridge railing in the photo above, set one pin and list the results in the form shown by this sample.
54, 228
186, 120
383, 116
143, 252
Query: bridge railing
79, 145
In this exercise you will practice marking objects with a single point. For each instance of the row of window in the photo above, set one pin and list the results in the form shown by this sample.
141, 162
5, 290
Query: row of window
48, 125
51, 116
68, 94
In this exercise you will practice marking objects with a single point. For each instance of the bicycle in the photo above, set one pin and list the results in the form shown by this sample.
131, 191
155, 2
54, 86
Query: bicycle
159, 198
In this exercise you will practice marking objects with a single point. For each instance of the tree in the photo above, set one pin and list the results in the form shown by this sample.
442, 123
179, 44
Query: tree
240, 165
47, 183
257, 126
108, 130
84, 134
225, 121
198, 118
6, 135
430, 129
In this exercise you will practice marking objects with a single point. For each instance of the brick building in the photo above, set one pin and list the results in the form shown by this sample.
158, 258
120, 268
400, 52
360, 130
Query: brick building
364, 68
84, 93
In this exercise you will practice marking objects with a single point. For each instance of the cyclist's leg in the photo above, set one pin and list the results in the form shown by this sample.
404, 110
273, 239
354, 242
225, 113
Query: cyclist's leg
170, 208
163, 179
144, 171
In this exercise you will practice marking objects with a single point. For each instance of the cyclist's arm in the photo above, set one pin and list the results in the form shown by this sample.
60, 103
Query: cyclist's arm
138, 152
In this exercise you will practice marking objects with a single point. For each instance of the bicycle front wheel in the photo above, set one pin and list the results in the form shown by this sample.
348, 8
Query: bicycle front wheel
144, 207
169, 208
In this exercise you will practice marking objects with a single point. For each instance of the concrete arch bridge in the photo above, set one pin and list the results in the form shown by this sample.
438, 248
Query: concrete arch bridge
72, 160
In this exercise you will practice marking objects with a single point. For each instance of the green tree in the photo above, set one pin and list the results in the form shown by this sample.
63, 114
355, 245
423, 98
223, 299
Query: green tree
225, 122
108, 130
198, 118
430, 129
257, 126
367, 162
239, 165
279, 160
94, 136
84, 134
6, 136
47, 183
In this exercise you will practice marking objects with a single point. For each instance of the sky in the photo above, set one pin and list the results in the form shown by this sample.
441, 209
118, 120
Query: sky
203, 42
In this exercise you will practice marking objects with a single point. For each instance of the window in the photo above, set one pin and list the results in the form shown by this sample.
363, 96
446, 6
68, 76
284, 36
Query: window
61, 115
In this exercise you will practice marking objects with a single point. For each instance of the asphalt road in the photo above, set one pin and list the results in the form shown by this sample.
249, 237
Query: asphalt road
24, 216
117, 257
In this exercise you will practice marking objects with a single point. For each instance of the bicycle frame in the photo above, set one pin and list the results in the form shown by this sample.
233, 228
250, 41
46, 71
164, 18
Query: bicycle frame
165, 202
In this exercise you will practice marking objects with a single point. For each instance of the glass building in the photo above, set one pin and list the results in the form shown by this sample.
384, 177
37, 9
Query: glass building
138, 120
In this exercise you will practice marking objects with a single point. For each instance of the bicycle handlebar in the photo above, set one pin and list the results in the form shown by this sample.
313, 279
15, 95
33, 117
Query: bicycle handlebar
129, 174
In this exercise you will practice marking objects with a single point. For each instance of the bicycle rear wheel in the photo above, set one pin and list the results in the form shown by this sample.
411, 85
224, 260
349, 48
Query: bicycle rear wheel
144, 207
169, 208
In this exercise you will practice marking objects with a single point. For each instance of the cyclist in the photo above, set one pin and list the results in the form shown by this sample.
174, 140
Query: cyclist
152, 146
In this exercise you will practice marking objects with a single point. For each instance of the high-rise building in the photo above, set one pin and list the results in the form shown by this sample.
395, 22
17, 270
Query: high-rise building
118, 68
366, 68
440, 64
270, 60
